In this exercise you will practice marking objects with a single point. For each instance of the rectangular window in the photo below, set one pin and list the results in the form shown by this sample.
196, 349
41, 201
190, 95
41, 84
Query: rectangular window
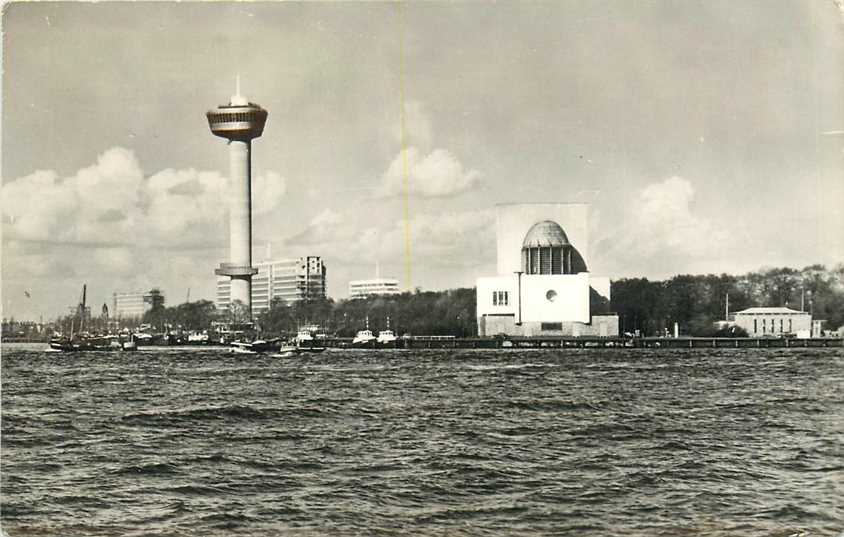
789, 325
780, 325
552, 326
506, 298
495, 298
500, 298
545, 260
755, 326
556, 261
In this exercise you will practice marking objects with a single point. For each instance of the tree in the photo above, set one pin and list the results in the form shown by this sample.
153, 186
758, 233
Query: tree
238, 313
278, 319
194, 316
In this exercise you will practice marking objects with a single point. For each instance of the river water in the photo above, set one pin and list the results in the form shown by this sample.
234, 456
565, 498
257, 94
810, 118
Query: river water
447, 443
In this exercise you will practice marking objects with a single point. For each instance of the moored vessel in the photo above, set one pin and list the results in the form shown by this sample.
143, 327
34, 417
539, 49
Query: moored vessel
386, 337
364, 338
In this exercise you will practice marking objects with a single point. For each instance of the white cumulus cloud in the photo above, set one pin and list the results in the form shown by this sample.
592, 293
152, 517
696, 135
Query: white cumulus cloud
661, 234
436, 239
438, 174
112, 226
111, 202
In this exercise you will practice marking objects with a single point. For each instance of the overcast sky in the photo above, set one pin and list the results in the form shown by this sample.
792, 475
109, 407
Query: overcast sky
708, 137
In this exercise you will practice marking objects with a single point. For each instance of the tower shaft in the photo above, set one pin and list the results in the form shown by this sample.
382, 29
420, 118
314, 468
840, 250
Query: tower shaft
240, 218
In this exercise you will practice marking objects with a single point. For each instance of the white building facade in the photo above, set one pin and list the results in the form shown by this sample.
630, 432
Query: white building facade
774, 321
373, 287
130, 305
291, 280
544, 285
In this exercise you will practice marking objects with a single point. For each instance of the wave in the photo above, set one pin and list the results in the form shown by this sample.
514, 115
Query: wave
153, 468
234, 412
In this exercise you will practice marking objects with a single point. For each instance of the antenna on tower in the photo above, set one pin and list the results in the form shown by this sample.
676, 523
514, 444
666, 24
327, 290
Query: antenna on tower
237, 98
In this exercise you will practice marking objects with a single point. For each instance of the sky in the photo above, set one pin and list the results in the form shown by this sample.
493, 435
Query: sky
708, 137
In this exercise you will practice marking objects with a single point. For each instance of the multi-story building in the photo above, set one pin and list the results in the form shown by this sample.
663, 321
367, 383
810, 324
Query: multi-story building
375, 286
131, 305
291, 280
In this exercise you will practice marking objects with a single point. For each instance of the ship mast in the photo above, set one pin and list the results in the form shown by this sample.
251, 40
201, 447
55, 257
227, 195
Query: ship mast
82, 306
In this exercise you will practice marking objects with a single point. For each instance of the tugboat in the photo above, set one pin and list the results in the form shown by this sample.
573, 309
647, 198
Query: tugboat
304, 337
306, 342
129, 345
364, 338
386, 338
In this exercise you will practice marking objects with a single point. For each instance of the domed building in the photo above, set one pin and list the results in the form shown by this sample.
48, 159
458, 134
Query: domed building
546, 250
544, 286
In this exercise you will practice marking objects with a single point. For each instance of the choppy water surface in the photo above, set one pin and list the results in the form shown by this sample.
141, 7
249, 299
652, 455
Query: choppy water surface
178, 442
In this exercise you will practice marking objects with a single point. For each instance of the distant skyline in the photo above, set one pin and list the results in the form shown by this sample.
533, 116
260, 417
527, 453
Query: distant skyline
707, 137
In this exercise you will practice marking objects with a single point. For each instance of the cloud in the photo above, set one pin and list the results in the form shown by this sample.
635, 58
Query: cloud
42, 206
437, 175
439, 239
420, 168
326, 227
113, 227
660, 233
112, 203
663, 213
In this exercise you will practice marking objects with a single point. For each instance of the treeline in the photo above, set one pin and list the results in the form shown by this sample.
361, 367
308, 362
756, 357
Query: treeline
696, 302
449, 312
196, 315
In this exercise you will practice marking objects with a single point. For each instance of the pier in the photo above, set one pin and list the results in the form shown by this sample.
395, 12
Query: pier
560, 342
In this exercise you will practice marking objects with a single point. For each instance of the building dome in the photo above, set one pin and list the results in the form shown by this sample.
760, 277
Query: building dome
547, 250
545, 234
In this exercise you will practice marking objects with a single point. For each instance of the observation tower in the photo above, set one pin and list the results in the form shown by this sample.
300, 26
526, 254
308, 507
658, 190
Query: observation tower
239, 122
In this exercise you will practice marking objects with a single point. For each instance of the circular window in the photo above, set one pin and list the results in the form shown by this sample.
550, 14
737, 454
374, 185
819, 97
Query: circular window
551, 295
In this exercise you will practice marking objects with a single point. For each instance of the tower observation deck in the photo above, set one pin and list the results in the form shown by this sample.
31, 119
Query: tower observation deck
239, 122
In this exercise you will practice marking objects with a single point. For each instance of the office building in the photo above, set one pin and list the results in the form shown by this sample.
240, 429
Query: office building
288, 279
373, 287
130, 305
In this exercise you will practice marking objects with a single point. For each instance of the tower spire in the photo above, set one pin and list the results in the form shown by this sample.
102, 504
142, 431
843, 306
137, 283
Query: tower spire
237, 98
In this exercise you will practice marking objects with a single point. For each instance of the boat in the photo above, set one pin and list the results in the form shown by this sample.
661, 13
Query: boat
83, 341
304, 336
287, 351
386, 337
258, 346
130, 345
198, 338
364, 338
